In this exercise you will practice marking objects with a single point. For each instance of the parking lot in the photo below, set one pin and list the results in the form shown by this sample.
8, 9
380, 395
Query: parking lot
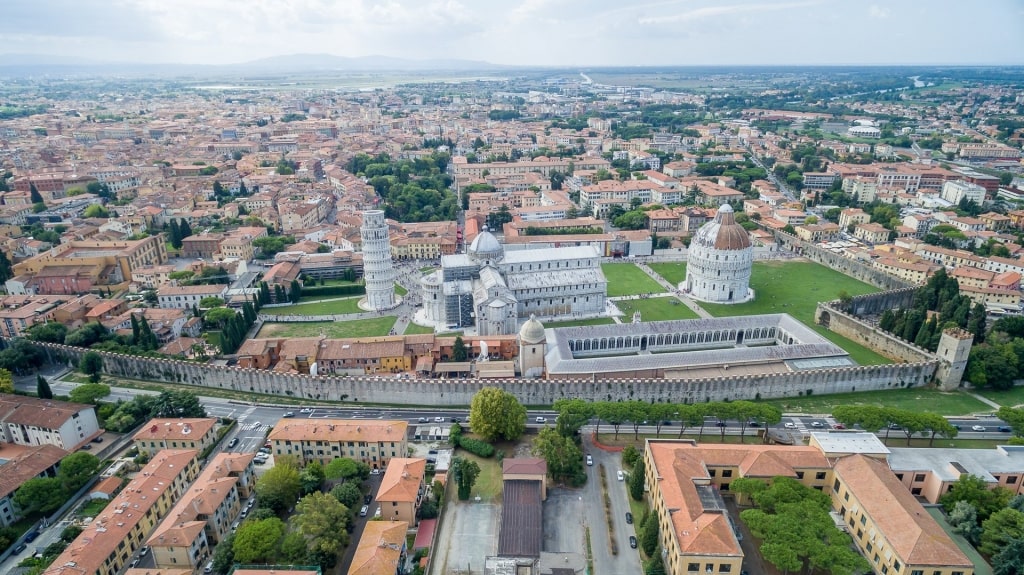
469, 534
563, 521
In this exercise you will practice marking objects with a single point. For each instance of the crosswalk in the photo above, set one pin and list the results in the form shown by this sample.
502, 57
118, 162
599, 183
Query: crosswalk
254, 426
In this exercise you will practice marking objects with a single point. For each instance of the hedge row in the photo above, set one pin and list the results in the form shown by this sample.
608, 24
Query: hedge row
315, 291
476, 447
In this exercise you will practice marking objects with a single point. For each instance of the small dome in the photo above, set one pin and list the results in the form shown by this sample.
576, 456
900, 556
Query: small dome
486, 246
723, 233
532, 331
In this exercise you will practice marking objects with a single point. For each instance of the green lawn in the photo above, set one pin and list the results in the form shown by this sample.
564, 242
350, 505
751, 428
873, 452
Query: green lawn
579, 322
400, 290
674, 273
656, 309
488, 483
1010, 397
796, 288
427, 269
413, 329
627, 279
358, 328
332, 307
929, 400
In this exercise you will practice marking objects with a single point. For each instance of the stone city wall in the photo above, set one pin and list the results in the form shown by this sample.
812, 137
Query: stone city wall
876, 303
839, 263
870, 336
532, 392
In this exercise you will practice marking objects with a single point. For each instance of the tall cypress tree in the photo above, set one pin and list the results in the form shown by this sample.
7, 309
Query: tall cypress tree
185, 229
135, 330
174, 235
34, 196
43, 388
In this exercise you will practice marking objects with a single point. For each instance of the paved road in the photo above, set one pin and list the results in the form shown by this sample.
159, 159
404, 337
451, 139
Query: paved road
627, 562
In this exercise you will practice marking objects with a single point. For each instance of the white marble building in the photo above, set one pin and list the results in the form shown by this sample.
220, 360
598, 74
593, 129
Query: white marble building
378, 273
491, 289
719, 262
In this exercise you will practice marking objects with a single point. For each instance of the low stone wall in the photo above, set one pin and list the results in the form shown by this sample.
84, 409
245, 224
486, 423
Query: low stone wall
847, 266
880, 341
532, 392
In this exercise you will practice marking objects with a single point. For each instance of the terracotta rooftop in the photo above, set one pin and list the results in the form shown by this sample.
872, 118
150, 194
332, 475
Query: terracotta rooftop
339, 430
379, 548
402, 480
524, 466
175, 429
26, 465
42, 413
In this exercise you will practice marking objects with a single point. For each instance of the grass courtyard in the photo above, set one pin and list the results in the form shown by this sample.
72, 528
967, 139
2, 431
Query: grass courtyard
916, 399
581, 322
330, 307
413, 329
673, 273
656, 309
627, 279
372, 327
1011, 397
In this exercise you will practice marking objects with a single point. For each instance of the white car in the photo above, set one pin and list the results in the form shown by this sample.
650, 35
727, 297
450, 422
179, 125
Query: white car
977, 428
541, 420
305, 410
438, 420
817, 424
790, 425
590, 460
619, 475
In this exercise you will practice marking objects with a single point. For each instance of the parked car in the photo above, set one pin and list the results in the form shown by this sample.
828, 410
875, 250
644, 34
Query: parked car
144, 551
367, 498
364, 510
21, 547
98, 439
31, 536
375, 472
629, 518
632, 541
209, 566
590, 460
87, 447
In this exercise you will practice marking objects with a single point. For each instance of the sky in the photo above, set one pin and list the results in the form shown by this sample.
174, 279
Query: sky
523, 32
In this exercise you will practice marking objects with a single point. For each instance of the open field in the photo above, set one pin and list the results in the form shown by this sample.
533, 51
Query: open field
656, 309
488, 484
579, 322
796, 288
376, 326
331, 307
673, 273
627, 279
413, 329
928, 400
1010, 397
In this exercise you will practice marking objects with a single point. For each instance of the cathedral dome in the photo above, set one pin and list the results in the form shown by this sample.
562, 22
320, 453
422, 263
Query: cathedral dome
532, 331
723, 233
486, 247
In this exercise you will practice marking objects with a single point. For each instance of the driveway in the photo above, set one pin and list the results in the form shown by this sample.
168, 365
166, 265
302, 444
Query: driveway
627, 562
373, 484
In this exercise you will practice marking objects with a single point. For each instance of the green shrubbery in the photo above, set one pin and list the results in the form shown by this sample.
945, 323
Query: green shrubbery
321, 291
476, 446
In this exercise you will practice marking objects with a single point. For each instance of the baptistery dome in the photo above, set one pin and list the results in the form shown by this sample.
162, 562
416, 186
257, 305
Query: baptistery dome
719, 262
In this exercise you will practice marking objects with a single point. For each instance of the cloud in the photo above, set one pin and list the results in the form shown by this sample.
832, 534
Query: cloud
876, 11
728, 10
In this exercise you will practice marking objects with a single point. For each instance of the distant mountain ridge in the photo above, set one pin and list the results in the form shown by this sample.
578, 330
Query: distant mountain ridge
49, 64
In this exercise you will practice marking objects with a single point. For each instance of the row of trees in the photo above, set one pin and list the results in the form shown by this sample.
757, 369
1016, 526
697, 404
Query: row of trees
906, 421
177, 231
936, 306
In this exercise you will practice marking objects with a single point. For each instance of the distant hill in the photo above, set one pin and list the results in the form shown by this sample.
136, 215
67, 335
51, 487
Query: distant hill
43, 64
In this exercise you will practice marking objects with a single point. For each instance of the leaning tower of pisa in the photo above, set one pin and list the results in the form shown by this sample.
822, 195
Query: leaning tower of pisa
377, 270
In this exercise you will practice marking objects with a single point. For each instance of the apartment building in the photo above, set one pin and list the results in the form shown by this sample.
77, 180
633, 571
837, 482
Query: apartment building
461, 168
988, 152
959, 190
187, 297
176, 433
819, 180
21, 465
152, 277
372, 442
887, 524
20, 312
825, 232
203, 515
914, 272
112, 260
871, 233
401, 489
121, 528
33, 422
381, 549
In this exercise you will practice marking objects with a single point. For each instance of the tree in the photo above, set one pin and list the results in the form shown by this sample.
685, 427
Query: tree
89, 393
630, 455
459, 350
224, 555
573, 414
96, 211
35, 197
6, 272
76, 469
322, 519
185, 229
258, 541
87, 335
311, 477
218, 316
563, 456
1009, 560
43, 388
279, 487
974, 490
348, 494
614, 412
496, 414
637, 478
465, 472
41, 495
1000, 529
177, 404
345, 468
91, 364
51, 332
295, 291
964, 520
649, 534
211, 302
174, 235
